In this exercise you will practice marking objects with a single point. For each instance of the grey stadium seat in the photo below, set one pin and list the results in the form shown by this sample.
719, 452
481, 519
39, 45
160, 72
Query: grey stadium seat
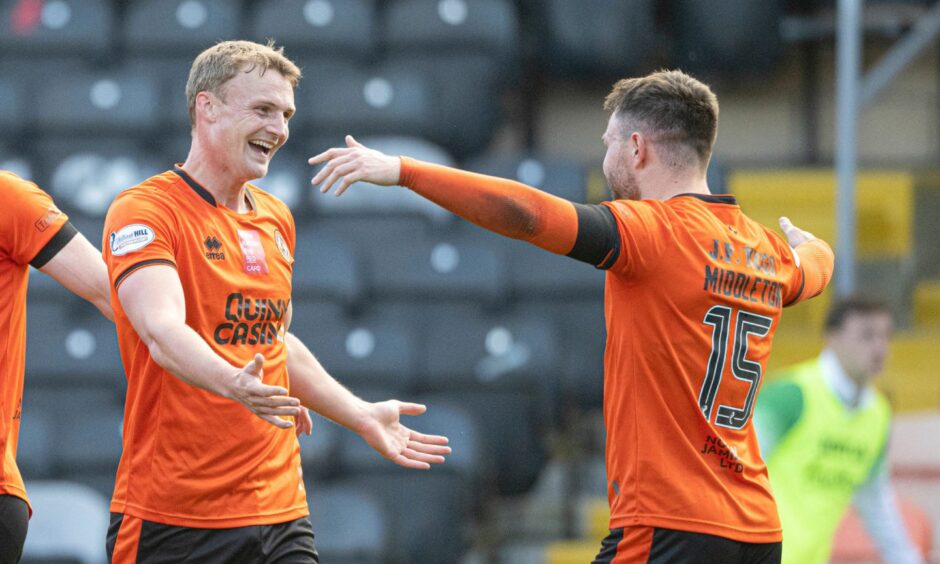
367, 350
69, 524
90, 101
179, 27
60, 27
85, 174
13, 116
288, 178
367, 100
344, 28
35, 451
318, 450
65, 342
449, 27
17, 162
326, 267
350, 524
560, 176
608, 38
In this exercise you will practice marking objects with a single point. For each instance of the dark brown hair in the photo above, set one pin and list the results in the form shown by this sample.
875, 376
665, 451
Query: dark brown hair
858, 304
675, 110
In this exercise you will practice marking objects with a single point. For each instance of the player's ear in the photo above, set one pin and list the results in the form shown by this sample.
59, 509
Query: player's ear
206, 105
637, 147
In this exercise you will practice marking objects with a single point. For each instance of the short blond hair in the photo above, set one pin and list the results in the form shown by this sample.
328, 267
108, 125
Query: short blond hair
675, 109
220, 63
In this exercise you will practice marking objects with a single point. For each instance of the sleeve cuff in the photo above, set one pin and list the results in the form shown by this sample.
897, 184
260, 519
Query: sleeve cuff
65, 234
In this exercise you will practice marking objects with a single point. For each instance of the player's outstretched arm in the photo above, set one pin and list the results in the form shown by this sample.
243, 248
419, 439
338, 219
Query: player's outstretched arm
379, 423
78, 266
152, 297
815, 257
506, 207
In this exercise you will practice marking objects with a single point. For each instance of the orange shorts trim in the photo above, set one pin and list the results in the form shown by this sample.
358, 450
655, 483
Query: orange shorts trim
128, 539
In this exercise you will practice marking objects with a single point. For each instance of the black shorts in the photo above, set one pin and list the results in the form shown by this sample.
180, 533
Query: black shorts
14, 519
131, 539
662, 546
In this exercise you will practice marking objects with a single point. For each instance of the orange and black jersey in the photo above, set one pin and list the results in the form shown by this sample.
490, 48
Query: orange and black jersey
694, 293
192, 458
32, 231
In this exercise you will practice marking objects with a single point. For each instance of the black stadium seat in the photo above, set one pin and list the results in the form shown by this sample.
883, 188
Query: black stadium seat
62, 27
326, 267
342, 28
97, 101
169, 27
560, 176
318, 450
13, 115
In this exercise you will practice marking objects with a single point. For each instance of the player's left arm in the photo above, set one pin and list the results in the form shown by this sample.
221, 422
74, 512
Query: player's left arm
79, 267
379, 423
587, 233
815, 259
878, 507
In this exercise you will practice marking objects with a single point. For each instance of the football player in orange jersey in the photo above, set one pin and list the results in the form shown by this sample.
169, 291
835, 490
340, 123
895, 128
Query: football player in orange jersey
33, 231
694, 292
200, 263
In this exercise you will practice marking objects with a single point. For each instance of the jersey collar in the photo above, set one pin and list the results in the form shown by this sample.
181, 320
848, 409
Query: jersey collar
712, 198
204, 194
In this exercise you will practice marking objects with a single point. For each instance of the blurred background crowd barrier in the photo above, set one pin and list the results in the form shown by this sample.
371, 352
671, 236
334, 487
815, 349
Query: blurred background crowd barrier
503, 342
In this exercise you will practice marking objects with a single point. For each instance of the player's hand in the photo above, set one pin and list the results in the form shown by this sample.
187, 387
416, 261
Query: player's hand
303, 422
795, 235
354, 163
384, 432
267, 402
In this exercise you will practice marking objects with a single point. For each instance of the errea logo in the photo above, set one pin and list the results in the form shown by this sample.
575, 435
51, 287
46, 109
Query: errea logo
213, 248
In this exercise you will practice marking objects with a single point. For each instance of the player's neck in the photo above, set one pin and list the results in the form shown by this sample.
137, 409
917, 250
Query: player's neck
666, 185
217, 180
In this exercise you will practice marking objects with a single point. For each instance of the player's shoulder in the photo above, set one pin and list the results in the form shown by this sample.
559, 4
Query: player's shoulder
13, 185
157, 188
269, 201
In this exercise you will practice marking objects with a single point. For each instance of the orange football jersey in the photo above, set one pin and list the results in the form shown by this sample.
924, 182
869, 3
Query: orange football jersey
192, 458
692, 301
30, 220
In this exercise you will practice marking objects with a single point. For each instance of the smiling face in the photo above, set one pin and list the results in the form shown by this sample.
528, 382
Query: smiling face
249, 121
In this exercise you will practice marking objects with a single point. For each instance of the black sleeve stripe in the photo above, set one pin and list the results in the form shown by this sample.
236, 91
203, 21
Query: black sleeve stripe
140, 265
66, 233
598, 241
799, 294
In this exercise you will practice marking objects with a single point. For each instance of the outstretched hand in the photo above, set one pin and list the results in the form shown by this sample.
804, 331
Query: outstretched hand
354, 163
267, 402
795, 235
383, 431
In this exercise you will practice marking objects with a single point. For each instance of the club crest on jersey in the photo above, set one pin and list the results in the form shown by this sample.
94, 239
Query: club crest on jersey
130, 238
282, 246
255, 261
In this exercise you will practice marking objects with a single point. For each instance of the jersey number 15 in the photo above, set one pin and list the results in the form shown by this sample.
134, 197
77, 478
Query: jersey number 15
745, 324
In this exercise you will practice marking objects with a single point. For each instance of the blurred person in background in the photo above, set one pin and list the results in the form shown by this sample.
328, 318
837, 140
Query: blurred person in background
823, 429
200, 263
694, 293
33, 231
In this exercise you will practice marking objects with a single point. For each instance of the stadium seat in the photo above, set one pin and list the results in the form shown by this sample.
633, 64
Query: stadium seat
90, 438
326, 267
560, 176
70, 27
171, 75
350, 524
464, 112
734, 37
69, 523
35, 454
605, 38
439, 268
362, 197
367, 350
14, 161
85, 174
449, 27
343, 28
288, 178
13, 116
162, 28
90, 101
367, 100
71, 341
538, 273
318, 451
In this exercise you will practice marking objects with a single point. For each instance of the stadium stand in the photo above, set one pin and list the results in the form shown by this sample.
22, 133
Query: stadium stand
64, 27
178, 27
342, 28
351, 525
78, 539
